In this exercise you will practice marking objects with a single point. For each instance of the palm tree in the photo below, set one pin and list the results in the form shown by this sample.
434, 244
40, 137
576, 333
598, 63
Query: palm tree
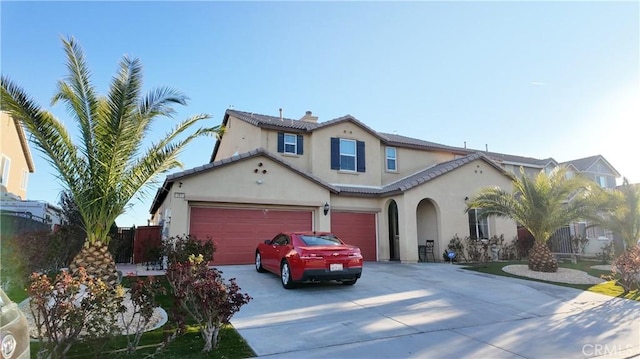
542, 205
109, 165
624, 219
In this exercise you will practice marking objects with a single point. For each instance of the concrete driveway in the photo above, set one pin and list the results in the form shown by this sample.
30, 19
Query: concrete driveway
428, 310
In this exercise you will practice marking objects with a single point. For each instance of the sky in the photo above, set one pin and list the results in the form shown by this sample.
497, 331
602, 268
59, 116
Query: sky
538, 78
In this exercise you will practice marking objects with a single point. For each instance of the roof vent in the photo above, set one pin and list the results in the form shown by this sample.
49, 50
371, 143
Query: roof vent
309, 118
281, 114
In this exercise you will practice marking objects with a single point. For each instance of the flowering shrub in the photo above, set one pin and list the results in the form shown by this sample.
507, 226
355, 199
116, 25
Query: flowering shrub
626, 269
179, 248
143, 300
204, 295
71, 307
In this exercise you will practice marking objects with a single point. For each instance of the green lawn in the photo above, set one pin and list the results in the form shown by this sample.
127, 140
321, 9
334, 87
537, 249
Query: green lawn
607, 288
189, 345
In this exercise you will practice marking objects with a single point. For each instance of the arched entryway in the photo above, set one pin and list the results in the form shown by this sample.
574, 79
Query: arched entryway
394, 232
427, 223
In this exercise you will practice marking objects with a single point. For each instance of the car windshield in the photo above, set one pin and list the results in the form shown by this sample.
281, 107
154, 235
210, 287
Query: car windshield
321, 240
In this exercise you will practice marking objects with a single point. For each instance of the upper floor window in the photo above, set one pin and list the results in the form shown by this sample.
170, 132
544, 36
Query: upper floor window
478, 226
602, 181
25, 180
392, 160
5, 165
347, 155
290, 143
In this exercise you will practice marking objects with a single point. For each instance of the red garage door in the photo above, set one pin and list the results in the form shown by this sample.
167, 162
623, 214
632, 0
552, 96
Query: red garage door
237, 232
358, 229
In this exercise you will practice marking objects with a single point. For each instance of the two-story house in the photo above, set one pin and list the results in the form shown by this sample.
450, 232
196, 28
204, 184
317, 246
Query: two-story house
383, 192
16, 162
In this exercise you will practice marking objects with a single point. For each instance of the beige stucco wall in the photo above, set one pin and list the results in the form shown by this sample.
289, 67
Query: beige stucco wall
447, 194
303, 162
321, 155
11, 148
238, 185
239, 137
410, 161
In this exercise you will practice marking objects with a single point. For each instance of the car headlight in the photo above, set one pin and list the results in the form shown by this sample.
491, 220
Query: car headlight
9, 345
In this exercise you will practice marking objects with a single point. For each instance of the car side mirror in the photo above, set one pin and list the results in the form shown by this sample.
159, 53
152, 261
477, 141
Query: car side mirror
267, 241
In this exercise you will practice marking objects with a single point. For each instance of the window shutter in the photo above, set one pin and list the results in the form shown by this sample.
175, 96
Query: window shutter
300, 144
335, 153
280, 142
360, 155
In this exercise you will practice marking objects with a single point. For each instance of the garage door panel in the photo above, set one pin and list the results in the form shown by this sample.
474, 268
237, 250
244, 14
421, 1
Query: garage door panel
238, 231
358, 229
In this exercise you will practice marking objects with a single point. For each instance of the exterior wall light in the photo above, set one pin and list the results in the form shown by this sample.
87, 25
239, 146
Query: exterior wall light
326, 208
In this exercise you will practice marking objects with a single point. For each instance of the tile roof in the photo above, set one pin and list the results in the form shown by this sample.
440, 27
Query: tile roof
257, 119
162, 192
420, 177
274, 122
404, 141
583, 164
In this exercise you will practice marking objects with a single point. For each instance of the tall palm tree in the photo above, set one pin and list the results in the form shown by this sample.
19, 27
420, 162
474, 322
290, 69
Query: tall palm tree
542, 205
624, 219
108, 166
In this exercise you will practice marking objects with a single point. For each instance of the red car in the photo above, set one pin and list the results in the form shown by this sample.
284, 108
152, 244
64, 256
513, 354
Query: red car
309, 256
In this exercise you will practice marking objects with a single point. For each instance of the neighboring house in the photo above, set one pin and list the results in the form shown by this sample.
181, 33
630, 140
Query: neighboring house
386, 193
599, 170
16, 162
38, 211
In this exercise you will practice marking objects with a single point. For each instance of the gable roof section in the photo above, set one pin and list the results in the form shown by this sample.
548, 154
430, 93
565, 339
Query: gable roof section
163, 191
421, 177
584, 164
299, 126
403, 141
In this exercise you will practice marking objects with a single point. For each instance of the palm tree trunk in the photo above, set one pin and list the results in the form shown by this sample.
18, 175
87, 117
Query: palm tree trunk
541, 259
97, 261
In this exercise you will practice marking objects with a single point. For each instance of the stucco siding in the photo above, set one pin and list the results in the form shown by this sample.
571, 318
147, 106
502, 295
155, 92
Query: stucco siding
239, 137
270, 142
410, 161
448, 193
321, 155
244, 184
10, 148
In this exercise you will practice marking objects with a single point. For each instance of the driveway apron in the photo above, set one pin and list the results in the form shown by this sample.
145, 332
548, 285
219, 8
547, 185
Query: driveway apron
431, 310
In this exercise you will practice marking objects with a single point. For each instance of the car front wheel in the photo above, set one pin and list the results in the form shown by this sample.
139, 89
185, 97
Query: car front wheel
259, 267
285, 275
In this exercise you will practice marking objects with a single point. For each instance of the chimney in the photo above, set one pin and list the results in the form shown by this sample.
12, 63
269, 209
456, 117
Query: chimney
309, 118
281, 114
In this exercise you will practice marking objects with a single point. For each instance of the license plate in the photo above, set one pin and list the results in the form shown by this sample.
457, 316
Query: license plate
335, 266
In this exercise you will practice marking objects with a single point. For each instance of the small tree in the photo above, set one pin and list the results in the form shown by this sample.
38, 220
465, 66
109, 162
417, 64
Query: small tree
204, 295
541, 205
71, 307
143, 299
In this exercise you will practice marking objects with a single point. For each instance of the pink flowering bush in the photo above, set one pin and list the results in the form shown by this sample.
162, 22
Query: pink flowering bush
205, 296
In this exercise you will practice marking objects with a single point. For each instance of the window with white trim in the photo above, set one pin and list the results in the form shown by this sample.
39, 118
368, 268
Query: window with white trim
478, 226
24, 181
347, 155
5, 165
602, 181
392, 159
290, 143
